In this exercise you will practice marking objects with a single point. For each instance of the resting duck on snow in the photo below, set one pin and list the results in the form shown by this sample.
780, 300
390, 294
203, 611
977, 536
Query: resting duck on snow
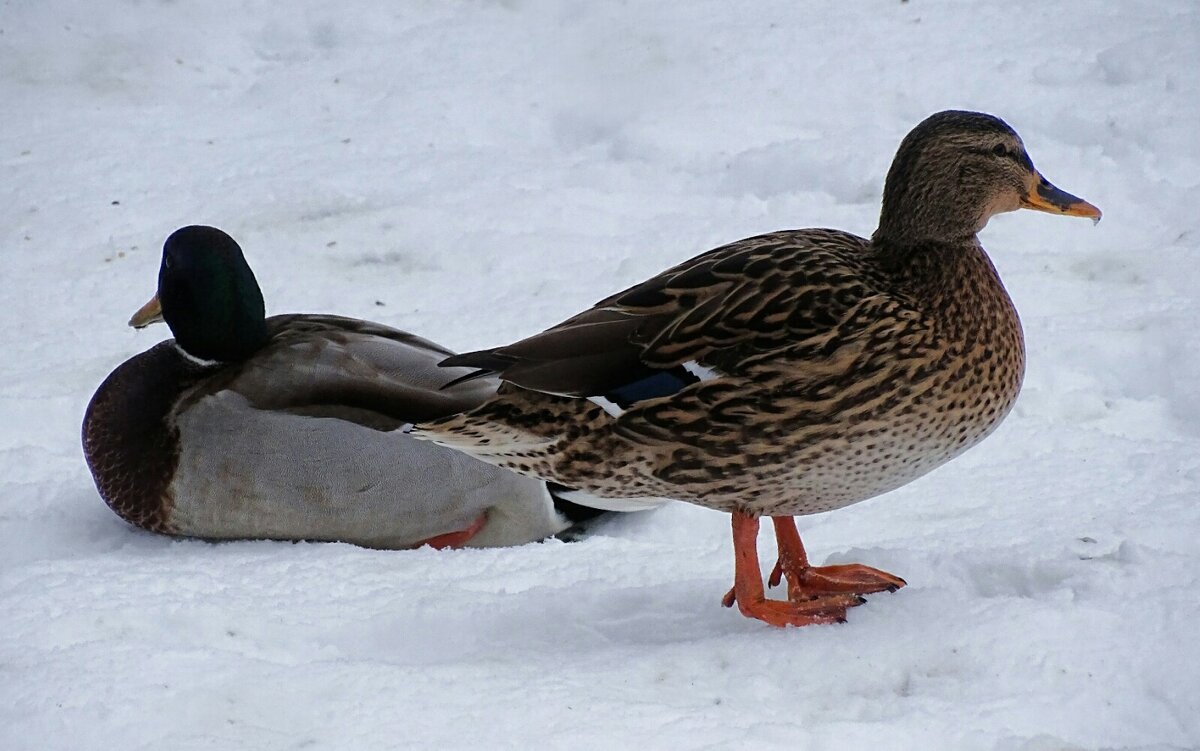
790, 373
285, 427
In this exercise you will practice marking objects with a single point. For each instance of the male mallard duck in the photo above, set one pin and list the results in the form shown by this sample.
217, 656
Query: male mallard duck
789, 373
251, 427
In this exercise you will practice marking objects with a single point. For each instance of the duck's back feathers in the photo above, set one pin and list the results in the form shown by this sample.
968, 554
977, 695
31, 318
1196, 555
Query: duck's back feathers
351, 369
715, 314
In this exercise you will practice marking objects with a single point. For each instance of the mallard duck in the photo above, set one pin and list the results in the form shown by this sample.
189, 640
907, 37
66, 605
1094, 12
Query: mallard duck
789, 373
245, 426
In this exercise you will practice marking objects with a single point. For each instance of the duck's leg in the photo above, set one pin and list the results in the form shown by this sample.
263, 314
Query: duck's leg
748, 591
455, 539
805, 581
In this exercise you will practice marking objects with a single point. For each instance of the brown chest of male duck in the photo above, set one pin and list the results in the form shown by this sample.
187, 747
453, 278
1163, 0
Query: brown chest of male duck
789, 373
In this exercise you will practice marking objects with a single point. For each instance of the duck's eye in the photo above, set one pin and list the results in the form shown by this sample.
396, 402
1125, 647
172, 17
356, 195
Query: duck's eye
1000, 150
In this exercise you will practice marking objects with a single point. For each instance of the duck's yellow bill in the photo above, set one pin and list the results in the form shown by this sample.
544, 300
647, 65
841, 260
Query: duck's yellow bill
149, 313
1045, 197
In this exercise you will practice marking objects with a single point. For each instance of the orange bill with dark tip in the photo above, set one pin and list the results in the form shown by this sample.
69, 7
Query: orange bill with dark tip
149, 313
1046, 197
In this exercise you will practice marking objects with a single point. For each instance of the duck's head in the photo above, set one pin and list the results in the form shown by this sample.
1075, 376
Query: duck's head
208, 295
954, 171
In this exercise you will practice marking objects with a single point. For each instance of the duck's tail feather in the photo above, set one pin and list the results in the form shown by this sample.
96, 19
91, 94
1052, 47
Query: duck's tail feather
596, 504
490, 442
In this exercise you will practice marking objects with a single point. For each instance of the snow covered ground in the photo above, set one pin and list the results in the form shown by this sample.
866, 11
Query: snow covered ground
476, 171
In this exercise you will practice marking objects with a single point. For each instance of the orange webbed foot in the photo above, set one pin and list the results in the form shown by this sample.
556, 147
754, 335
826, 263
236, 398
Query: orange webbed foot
805, 581
822, 610
853, 578
816, 594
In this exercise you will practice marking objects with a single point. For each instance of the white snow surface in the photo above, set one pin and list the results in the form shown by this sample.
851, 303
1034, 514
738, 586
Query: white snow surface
475, 172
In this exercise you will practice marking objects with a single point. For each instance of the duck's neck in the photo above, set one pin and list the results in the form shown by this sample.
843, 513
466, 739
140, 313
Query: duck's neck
924, 201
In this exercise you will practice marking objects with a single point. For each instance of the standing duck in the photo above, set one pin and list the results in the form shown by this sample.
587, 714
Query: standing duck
789, 373
245, 426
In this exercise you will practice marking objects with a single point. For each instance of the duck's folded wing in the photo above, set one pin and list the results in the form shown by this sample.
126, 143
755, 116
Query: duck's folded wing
712, 315
356, 370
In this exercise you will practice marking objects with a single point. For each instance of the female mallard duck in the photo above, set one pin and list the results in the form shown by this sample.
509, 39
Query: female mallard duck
789, 373
284, 428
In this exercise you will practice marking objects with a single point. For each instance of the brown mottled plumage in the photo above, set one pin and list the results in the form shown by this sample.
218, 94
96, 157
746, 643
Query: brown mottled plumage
789, 373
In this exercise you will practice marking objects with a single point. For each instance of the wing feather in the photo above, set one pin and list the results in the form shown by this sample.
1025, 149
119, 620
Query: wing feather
355, 370
747, 298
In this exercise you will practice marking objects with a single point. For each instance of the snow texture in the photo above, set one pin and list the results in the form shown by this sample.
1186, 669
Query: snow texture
477, 171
